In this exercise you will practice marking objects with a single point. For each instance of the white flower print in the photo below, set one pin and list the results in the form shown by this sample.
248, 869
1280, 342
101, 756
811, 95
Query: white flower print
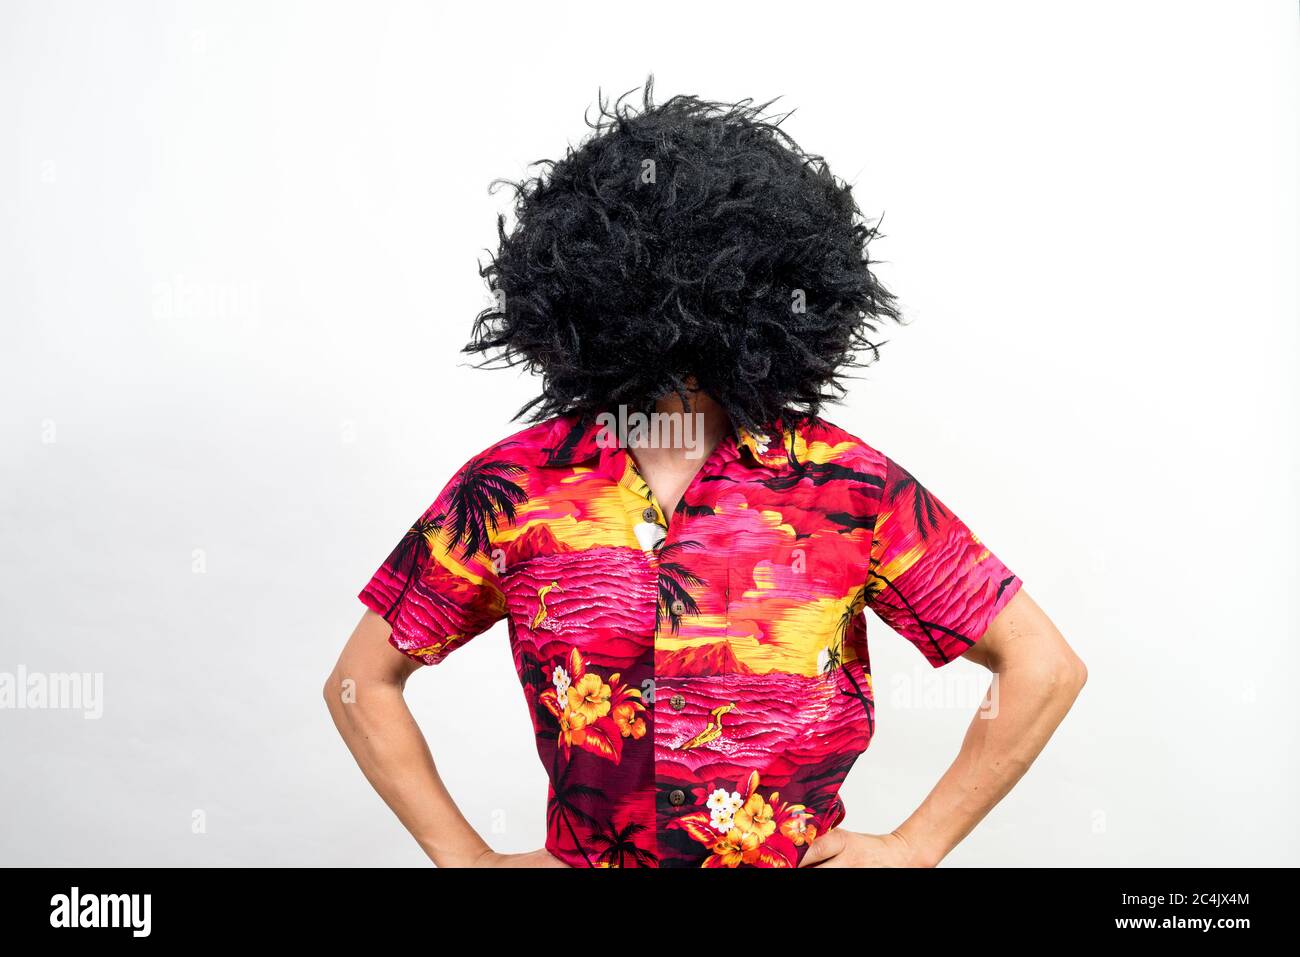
560, 678
721, 819
720, 800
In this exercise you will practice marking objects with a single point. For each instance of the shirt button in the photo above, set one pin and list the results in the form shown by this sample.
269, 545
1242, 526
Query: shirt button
678, 702
650, 515
677, 797
679, 607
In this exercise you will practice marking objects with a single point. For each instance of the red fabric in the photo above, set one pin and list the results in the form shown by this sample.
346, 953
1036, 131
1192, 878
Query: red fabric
700, 687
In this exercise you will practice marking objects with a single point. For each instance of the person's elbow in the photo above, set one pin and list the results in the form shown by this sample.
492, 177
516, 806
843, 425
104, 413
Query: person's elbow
334, 691
1079, 673
369, 670
1064, 674
359, 690
1052, 673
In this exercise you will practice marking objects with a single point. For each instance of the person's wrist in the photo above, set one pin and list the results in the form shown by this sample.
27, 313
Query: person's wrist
473, 856
915, 851
479, 858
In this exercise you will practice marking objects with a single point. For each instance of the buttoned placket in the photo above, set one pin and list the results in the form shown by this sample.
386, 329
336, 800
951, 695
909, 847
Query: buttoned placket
644, 510
651, 512
643, 513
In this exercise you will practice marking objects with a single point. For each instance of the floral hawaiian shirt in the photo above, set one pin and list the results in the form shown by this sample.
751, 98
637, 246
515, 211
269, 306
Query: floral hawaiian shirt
699, 683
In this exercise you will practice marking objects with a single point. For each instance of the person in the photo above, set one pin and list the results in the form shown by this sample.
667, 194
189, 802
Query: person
682, 547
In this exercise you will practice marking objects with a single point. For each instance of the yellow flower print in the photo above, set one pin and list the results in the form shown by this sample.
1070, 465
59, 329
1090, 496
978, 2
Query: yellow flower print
742, 827
798, 827
588, 700
595, 714
629, 722
756, 817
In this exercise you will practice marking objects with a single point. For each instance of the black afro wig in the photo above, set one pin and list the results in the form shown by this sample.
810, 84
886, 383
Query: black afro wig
687, 239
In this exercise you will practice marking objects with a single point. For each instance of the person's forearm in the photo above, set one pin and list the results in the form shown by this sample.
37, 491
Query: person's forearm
390, 749
1033, 696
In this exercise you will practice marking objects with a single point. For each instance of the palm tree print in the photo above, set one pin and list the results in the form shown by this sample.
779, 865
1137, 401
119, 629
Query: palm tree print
565, 451
618, 847
851, 611
675, 581
863, 699
484, 496
565, 803
926, 509
412, 551
878, 584
834, 658
529, 668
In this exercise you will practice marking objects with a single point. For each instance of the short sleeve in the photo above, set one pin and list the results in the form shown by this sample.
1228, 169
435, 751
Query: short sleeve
931, 579
439, 587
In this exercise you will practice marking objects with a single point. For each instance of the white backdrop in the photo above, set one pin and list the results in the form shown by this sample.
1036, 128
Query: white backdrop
238, 255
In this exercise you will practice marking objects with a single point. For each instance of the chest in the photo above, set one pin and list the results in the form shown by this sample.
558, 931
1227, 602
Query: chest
747, 573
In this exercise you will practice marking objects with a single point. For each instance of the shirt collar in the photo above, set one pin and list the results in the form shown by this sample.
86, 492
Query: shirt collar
573, 441
768, 446
576, 441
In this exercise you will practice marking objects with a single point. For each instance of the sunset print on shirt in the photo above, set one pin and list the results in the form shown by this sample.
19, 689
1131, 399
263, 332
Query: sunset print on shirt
700, 687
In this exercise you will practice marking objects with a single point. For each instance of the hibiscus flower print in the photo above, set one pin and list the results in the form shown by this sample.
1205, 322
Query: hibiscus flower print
595, 714
744, 827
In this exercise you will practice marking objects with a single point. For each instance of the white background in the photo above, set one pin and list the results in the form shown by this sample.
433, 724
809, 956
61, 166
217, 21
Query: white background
238, 255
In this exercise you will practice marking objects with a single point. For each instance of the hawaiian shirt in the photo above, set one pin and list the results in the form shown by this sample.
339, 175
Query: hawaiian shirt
699, 683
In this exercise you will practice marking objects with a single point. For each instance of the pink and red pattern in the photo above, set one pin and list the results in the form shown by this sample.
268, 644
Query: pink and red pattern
700, 685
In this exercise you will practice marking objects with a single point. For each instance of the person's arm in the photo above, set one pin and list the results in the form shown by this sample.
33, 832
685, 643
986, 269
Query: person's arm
364, 695
1038, 678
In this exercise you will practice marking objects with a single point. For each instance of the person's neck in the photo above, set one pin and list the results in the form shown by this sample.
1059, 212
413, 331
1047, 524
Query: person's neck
709, 420
702, 424
668, 469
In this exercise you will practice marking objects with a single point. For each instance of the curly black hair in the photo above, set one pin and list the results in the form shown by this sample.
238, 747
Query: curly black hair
688, 239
